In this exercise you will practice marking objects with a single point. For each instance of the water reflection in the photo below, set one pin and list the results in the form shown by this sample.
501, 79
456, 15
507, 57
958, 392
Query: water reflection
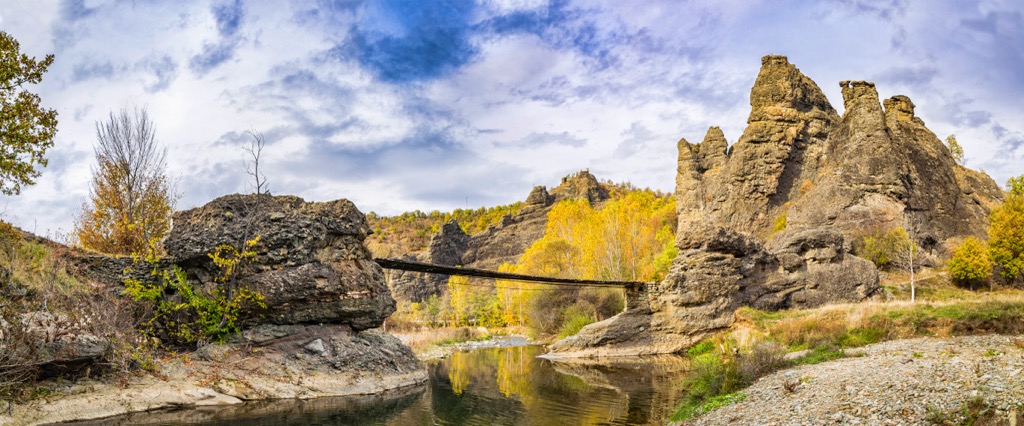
501, 386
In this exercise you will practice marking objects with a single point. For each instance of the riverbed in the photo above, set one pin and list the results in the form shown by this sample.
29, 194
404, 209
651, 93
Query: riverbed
489, 386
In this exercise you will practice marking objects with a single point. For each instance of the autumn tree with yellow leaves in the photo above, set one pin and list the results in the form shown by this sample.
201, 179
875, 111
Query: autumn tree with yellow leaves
131, 198
626, 240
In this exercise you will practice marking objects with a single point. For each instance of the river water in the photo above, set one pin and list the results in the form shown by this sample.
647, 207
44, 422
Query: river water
494, 386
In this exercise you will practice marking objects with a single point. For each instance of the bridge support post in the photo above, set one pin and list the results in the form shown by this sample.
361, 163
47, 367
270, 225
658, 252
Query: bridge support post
637, 296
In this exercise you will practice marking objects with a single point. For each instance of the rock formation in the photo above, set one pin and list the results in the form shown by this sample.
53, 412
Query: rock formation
766, 223
311, 264
446, 248
502, 243
325, 295
318, 335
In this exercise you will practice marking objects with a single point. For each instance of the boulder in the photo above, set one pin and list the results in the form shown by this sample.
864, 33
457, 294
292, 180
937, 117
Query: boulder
51, 343
310, 263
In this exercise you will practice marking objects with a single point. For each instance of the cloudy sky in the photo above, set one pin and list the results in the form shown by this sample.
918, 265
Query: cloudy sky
402, 105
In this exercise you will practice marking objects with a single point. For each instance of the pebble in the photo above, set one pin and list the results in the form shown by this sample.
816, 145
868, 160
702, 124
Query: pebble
902, 382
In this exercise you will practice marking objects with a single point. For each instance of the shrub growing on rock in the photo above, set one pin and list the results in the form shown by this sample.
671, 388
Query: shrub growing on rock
185, 316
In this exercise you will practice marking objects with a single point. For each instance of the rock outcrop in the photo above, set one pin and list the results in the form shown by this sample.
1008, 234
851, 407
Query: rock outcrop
502, 243
766, 223
324, 293
446, 249
318, 335
311, 264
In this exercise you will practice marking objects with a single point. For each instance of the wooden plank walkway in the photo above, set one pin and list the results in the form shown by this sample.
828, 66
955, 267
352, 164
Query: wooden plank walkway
404, 265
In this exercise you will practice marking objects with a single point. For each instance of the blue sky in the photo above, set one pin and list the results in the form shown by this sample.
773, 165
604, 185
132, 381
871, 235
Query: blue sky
406, 104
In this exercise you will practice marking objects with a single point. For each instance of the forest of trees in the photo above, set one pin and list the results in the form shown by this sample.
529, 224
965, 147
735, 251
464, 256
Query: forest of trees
630, 238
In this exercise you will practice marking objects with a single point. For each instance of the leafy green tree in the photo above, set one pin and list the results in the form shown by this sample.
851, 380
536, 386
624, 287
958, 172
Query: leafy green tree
970, 262
1006, 235
1016, 185
26, 128
955, 149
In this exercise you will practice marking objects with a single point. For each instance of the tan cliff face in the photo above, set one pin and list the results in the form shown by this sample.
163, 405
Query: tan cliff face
743, 188
766, 223
872, 168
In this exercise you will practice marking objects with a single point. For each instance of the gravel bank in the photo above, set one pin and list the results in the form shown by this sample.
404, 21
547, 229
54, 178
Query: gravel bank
437, 352
903, 382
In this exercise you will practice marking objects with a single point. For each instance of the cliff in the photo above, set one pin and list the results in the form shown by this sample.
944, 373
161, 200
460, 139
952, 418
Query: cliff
767, 223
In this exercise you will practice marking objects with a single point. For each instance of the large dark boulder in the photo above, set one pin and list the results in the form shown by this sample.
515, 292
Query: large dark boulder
310, 264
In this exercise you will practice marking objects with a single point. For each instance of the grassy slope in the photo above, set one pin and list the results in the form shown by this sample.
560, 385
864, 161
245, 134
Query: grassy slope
941, 310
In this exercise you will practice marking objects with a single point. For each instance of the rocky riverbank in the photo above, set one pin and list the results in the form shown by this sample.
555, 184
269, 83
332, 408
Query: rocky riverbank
916, 381
315, 333
362, 363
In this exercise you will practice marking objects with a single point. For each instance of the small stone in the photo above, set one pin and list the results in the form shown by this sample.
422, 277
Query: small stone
315, 347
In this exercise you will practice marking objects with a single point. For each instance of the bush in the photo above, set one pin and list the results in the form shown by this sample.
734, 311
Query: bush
970, 263
780, 222
1006, 237
882, 247
718, 370
184, 316
575, 318
761, 359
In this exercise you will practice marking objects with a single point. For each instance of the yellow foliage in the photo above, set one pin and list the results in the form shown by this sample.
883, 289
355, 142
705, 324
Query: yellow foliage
120, 220
970, 261
1006, 236
618, 242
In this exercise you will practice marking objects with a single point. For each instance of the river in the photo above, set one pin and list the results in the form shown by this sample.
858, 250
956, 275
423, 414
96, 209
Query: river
493, 386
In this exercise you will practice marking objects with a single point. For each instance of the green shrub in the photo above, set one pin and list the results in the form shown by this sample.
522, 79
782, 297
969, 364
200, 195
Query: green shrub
575, 318
684, 412
184, 316
970, 262
882, 247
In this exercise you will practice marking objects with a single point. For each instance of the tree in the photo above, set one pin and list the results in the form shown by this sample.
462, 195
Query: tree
1006, 235
970, 262
26, 128
131, 199
955, 149
1016, 185
906, 256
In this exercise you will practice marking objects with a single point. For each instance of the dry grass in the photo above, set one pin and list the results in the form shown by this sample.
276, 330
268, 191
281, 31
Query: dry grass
950, 311
35, 283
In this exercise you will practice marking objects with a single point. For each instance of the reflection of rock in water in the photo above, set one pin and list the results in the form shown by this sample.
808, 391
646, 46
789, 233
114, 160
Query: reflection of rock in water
651, 385
350, 410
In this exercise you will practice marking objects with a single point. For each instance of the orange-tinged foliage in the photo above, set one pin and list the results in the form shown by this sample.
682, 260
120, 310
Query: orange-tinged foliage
118, 222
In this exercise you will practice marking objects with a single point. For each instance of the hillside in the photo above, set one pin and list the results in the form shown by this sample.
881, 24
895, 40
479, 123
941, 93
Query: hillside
484, 238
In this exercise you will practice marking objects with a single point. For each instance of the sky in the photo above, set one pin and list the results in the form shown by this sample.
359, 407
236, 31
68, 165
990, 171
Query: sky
401, 105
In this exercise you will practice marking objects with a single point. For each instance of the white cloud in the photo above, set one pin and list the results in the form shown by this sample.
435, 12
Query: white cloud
612, 90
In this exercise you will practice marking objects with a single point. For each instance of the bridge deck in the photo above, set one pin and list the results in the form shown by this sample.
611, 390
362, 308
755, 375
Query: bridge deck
403, 265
